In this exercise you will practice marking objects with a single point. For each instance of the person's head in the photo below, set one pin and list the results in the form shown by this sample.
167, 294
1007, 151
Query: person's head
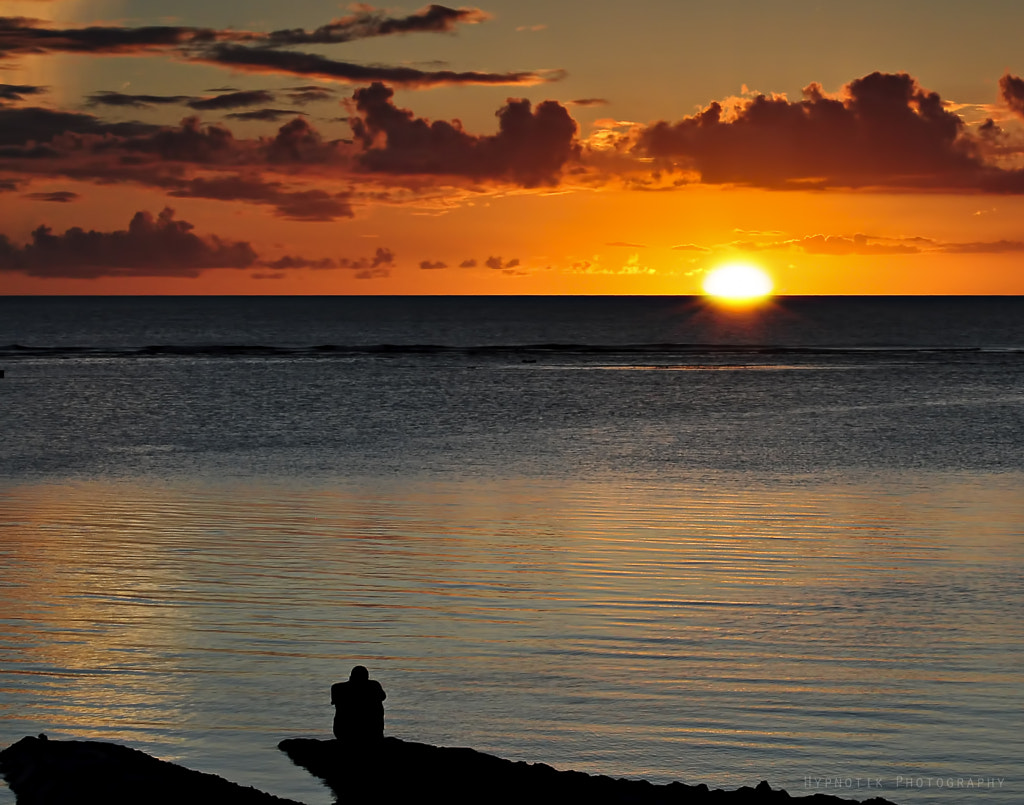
359, 674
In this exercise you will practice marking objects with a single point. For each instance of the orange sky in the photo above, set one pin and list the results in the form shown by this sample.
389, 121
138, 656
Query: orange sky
514, 148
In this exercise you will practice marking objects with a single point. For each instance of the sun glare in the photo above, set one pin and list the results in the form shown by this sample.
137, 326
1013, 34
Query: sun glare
738, 282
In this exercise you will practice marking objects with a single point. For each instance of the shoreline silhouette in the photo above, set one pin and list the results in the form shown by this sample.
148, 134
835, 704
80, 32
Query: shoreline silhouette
54, 772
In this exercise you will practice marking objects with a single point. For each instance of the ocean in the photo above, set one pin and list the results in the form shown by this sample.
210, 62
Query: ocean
638, 536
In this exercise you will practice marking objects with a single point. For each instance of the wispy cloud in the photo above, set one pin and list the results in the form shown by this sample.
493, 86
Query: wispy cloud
838, 245
861, 244
297, 205
266, 52
265, 115
290, 62
141, 101
368, 22
18, 92
57, 196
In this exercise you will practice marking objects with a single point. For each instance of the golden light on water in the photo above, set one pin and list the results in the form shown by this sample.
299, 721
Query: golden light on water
738, 283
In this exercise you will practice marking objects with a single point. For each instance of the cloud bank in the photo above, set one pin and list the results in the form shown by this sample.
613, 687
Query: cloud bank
530, 148
883, 130
150, 247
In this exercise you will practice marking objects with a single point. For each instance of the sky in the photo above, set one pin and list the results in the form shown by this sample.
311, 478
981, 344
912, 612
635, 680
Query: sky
522, 147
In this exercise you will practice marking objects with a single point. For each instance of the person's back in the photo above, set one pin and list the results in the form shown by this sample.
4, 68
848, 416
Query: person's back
359, 708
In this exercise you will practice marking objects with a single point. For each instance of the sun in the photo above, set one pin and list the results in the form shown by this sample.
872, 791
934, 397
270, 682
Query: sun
738, 282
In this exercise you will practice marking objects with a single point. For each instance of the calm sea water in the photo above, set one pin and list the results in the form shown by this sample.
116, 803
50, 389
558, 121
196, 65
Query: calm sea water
636, 536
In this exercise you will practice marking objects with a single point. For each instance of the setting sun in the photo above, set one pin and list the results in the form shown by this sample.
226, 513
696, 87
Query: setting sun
738, 282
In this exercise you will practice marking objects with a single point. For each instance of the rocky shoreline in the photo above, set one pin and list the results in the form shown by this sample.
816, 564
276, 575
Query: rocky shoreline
45, 772
50, 772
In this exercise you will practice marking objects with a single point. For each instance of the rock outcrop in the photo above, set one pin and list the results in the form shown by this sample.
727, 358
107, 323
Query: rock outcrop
405, 772
43, 772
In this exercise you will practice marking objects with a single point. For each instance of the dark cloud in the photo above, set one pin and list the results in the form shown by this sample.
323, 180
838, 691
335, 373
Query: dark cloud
20, 35
372, 274
232, 100
297, 142
589, 102
530, 148
190, 142
990, 131
265, 275
59, 196
626, 245
288, 62
25, 35
160, 246
429, 265
497, 264
168, 158
17, 92
382, 258
1011, 88
884, 130
297, 205
292, 262
470, 263
368, 23
25, 125
7, 186
1003, 181
120, 99
236, 99
268, 115
304, 95
259, 52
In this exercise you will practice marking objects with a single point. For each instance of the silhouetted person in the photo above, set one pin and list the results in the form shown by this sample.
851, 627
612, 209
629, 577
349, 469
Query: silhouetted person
359, 709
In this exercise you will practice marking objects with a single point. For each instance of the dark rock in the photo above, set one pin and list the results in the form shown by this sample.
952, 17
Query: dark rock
42, 772
403, 771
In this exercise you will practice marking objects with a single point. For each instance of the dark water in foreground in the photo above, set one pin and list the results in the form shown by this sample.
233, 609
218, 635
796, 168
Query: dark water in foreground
638, 536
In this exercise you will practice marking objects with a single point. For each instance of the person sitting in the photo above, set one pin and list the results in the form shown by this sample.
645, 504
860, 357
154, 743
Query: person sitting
359, 709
